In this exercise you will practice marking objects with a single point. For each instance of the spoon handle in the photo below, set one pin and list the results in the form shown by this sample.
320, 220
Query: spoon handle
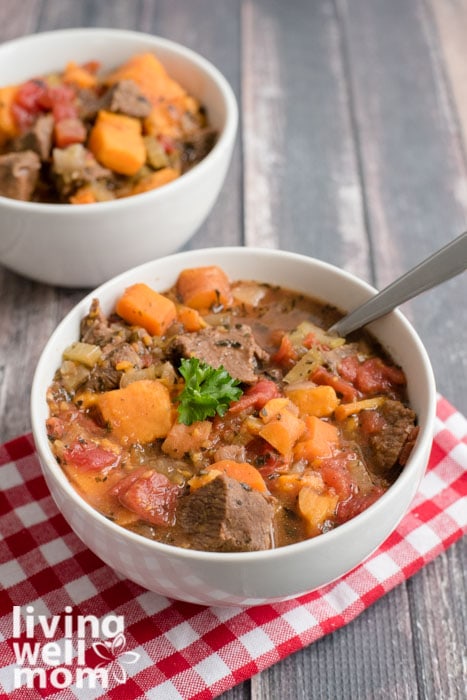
447, 262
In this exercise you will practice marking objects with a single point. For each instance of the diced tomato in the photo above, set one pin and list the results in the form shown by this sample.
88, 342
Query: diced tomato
336, 475
153, 497
125, 482
87, 456
64, 110
265, 458
371, 422
348, 368
68, 131
346, 390
356, 504
375, 377
29, 95
256, 396
286, 355
23, 118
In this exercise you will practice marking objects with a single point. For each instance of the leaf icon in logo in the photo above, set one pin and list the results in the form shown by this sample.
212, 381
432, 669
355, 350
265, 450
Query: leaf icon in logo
114, 656
118, 643
103, 649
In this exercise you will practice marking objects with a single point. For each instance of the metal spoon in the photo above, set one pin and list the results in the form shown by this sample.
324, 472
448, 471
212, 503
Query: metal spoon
447, 262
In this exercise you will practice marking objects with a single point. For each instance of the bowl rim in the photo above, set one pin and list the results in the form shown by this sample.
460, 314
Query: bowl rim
226, 136
403, 481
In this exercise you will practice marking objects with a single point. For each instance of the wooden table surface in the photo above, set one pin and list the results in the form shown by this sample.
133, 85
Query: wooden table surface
352, 149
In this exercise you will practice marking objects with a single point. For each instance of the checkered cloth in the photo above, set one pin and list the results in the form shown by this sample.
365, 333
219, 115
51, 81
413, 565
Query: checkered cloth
164, 649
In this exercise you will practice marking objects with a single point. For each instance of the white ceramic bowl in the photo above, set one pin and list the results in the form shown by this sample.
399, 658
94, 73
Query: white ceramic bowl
82, 246
253, 577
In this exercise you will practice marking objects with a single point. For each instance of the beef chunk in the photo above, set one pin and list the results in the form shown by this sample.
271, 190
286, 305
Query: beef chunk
95, 328
226, 516
89, 103
197, 145
38, 138
105, 375
75, 166
126, 97
397, 428
234, 348
18, 174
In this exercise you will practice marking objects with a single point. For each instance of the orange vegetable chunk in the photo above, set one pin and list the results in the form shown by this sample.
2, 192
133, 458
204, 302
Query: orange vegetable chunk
317, 401
204, 287
241, 471
79, 75
8, 127
140, 305
316, 508
150, 75
283, 432
320, 436
139, 413
155, 180
117, 143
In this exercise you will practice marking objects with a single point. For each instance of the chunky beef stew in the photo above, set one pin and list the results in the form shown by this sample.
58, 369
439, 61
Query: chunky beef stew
220, 415
81, 136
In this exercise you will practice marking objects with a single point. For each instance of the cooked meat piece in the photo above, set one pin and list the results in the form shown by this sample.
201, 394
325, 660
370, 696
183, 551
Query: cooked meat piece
38, 138
18, 174
89, 103
74, 166
197, 145
124, 352
102, 378
106, 375
126, 97
397, 428
95, 328
234, 348
226, 516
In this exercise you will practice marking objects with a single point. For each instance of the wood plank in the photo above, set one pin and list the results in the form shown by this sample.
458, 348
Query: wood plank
412, 166
14, 24
356, 661
302, 186
217, 38
448, 40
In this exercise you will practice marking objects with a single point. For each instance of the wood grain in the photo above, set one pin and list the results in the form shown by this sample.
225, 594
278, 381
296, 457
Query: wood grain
352, 148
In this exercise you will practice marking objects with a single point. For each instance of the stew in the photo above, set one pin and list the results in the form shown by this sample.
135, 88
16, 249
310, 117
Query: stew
220, 415
81, 136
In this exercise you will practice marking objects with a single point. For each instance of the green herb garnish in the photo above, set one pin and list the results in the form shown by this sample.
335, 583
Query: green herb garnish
207, 391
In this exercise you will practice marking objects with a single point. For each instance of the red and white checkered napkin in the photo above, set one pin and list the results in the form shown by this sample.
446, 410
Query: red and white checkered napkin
167, 650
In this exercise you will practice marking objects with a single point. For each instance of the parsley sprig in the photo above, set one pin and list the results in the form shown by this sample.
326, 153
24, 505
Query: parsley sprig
207, 391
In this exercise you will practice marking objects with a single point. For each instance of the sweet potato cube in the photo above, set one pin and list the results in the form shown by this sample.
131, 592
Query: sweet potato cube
316, 508
317, 401
117, 143
150, 75
155, 180
204, 287
140, 305
8, 127
318, 440
139, 413
283, 432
